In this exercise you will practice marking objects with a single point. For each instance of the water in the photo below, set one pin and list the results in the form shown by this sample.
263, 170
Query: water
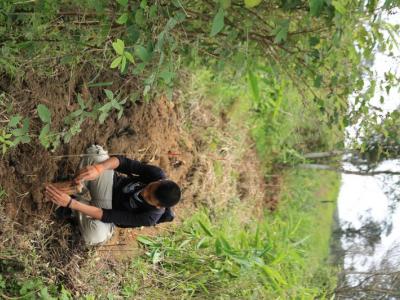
369, 216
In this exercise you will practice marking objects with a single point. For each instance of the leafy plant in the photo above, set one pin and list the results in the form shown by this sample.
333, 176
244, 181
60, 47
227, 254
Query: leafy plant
16, 132
218, 22
123, 56
46, 137
75, 119
114, 103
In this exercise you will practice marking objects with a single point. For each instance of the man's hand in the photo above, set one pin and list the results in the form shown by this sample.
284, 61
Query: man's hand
68, 187
89, 173
58, 197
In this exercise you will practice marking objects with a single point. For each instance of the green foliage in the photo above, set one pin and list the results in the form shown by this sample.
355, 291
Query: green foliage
286, 124
218, 22
251, 3
281, 256
378, 142
32, 288
315, 7
76, 118
281, 31
123, 56
44, 113
16, 132
312, 42
114, 103
48, 138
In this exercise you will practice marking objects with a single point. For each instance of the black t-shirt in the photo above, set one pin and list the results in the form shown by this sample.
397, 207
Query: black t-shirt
129, 209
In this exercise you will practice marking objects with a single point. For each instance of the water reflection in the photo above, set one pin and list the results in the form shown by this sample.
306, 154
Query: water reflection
369, 235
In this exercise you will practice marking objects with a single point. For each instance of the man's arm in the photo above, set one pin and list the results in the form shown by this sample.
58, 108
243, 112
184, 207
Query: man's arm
63, 199
90, 210
120, 218
111, 163
129, 219
93, 171
146, 173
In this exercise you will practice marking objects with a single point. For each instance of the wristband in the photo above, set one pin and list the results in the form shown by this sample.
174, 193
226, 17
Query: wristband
70, 201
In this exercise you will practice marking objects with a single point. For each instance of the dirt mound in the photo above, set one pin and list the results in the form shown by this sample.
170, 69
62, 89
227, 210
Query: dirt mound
149, 132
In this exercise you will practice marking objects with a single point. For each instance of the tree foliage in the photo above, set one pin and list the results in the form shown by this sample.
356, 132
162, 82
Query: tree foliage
323, 48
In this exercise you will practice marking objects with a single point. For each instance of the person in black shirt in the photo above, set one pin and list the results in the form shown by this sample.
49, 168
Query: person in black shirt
124, 193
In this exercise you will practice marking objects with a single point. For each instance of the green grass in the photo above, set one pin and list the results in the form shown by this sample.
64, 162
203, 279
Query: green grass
294, 126
282, 256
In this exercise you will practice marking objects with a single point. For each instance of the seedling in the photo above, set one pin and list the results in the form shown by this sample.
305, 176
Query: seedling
123, 56
46, 137
16, 132
76, 118
109, 106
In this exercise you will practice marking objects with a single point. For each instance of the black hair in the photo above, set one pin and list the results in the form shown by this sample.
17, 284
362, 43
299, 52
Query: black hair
167, 193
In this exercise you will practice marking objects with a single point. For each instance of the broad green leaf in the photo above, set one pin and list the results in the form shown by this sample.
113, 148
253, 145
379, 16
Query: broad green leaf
122, 19
251, 3
132, 34
339, 7
143, 4
315, 7
119, 46
116, 62
139, 18
44, 113
281, 31
18, 132
142, 53
225, 4
25, 124
80, 101
129, 57
109, 94
167, 76
139, 69
116, 104
14, 121
43, 136
120, 112
153, 11
106, 107
24, 139
123, 64
218, 22
102, 117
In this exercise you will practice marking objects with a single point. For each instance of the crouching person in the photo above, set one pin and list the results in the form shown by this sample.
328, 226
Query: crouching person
142, 198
